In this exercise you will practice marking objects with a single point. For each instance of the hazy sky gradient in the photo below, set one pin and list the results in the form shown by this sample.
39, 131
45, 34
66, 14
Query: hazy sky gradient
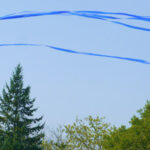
68, 85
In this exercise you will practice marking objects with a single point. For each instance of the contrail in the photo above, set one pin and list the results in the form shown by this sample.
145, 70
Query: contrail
105, 16
80, 53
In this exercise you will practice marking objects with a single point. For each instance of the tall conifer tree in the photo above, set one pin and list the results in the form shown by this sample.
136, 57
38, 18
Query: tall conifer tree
18, 127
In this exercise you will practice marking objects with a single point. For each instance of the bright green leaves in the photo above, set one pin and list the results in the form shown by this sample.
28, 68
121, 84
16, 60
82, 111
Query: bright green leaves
87, 133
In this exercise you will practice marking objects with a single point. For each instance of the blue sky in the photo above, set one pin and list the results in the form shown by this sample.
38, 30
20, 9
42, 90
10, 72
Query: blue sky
67, 85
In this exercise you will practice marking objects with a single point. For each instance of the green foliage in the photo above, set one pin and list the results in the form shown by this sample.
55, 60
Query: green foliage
86, 134
136, 137
93, 134
19, 130
51, 145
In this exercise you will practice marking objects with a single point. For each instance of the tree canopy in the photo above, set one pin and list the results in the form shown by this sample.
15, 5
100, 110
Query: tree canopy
136, 137
94, 134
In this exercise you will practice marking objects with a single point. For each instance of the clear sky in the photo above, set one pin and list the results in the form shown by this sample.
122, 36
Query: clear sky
67, 85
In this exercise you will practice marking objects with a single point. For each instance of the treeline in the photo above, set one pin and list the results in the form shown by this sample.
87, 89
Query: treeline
94, 134
20, 130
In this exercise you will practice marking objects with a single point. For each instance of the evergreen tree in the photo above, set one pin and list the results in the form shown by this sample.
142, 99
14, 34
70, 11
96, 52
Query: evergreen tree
19, 130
